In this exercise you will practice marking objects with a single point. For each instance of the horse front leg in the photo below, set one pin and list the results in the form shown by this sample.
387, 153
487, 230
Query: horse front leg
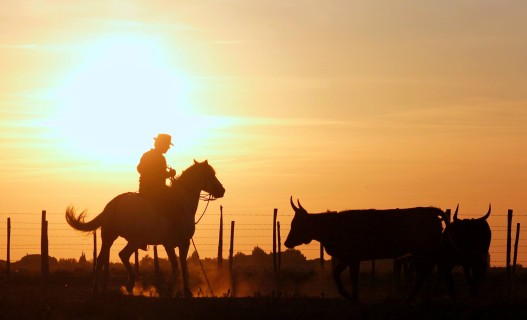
183, 252
125, 258
171, 253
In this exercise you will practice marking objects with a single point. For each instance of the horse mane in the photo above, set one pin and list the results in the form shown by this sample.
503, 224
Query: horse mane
196, 165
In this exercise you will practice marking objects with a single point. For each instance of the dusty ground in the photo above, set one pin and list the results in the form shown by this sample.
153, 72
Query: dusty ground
70, 298
73, 303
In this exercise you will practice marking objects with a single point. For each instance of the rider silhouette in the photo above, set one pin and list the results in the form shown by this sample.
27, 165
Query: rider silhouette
153, 172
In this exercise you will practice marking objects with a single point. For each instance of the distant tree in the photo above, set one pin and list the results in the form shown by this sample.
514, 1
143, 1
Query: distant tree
259, 256
239, 254
258, 253
194, 257
31, 262
82, 259
66, 265
147, 262
67, 261
293, 257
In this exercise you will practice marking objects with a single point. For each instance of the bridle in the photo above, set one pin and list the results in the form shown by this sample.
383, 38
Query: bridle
205, 197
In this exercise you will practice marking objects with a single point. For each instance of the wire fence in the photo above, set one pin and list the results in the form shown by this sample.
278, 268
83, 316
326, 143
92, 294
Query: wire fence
64, 242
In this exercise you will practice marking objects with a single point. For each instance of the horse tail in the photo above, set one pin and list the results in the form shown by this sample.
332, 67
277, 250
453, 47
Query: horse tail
77, 222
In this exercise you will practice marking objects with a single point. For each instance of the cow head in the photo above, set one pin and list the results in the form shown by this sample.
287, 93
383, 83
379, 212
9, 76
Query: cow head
469, 240
299, 232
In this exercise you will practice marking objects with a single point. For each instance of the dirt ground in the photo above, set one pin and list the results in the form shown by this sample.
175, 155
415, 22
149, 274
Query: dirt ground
71, 298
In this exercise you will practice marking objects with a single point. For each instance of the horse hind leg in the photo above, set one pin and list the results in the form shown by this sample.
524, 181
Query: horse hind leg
175, 268
125, 258
103, 260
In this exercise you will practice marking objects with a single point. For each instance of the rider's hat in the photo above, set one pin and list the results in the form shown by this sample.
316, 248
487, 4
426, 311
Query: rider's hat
164, 138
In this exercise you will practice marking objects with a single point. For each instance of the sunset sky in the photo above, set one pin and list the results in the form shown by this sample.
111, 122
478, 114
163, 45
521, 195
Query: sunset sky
342, 104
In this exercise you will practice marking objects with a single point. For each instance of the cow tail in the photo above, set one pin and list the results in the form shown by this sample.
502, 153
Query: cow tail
444, 217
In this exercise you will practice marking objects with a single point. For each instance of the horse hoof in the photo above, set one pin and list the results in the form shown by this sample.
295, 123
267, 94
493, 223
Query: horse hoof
187, 293
130, 287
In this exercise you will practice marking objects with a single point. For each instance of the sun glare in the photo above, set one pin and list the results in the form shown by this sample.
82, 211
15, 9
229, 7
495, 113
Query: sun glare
124, 91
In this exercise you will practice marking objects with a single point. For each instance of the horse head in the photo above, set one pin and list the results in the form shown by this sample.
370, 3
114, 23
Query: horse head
205, 176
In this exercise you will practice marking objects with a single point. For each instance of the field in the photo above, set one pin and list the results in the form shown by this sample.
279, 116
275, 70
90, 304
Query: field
68, 296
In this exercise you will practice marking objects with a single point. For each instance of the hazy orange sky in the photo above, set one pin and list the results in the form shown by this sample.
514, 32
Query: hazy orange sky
343, 104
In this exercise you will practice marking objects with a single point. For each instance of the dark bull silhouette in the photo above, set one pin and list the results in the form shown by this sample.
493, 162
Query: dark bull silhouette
356, 235
466, 242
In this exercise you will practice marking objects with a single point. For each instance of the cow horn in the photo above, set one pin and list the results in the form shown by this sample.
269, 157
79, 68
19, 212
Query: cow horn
292, 204
455, 213
486, 215
300, 206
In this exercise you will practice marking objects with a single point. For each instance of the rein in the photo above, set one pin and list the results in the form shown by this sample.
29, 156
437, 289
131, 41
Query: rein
205, 197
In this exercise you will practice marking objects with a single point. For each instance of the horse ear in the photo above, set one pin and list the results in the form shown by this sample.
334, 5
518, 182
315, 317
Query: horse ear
206, 162
195, 162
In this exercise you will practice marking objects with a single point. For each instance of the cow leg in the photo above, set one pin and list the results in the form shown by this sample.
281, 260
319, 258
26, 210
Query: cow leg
423, 268
450, 284
125, 258
337, 270
468, 276
354, 275
477, 275
183, 252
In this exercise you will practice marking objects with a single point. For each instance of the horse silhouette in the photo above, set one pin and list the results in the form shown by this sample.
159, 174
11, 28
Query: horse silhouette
132, 217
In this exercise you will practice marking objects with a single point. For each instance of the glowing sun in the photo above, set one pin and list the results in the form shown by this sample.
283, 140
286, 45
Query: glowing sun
124, 90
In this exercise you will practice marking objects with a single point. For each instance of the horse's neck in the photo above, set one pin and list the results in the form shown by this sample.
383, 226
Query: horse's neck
188, 197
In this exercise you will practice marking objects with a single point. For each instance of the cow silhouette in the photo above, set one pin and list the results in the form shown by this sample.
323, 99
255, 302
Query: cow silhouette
466, 242
356, 235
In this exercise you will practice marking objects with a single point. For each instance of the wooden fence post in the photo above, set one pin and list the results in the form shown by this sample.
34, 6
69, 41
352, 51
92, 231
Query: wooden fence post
448, 214
94, 250
275, 267
231, 257
157, 272
373, 271
136, 262
44, 253
279, 264
321, 256
516, 248
220, 240
8, 262
509, 226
